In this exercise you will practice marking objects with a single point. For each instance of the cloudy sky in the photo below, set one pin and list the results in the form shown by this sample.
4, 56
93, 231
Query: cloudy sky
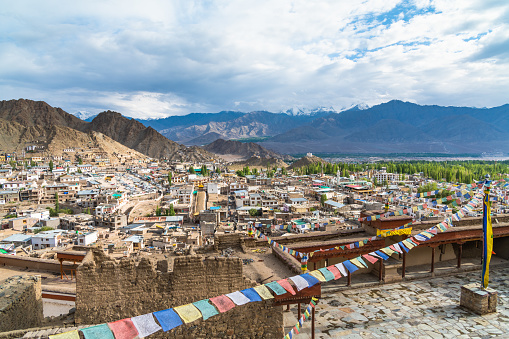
159, 58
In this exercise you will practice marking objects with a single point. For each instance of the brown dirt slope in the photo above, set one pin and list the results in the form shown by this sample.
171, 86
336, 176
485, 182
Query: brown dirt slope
304, 161
39, 119
243, 149
14, 137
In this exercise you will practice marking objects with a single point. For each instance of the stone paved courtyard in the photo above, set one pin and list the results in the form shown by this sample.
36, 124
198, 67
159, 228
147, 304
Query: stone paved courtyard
414, 309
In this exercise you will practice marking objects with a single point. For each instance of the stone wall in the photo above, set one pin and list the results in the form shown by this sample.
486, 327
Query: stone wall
228, 240
108, 291
20, 303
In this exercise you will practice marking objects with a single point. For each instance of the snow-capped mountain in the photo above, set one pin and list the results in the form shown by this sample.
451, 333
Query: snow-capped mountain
84, 115
296, 110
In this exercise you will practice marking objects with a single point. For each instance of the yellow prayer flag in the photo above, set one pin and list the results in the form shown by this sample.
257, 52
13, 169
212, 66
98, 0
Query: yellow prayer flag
318, 275
263, 292
188, 313
66, 335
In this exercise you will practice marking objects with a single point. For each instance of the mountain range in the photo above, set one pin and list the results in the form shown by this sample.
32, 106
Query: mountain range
392, 127
203, 128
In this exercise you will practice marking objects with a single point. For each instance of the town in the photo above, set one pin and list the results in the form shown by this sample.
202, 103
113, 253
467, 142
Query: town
59, 210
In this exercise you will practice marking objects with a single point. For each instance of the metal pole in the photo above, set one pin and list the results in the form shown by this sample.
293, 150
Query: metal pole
313, 324
404, 265
432, 260
460, 252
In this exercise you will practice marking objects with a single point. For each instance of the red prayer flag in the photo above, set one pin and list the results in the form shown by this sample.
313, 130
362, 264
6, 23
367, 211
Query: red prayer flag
223, 303
123, 329
334, 270
370, 258
286, 285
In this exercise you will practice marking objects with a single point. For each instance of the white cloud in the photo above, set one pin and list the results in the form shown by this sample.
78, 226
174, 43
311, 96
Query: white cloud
165, 58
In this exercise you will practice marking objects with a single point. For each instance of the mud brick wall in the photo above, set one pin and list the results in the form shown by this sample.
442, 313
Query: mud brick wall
223, 241
107, 291
20, 303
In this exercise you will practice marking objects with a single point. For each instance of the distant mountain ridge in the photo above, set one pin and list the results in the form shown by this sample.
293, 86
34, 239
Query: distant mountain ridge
245, 150
190, 128
398, 126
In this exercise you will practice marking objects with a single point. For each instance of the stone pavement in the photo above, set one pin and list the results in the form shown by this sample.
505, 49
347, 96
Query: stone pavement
413, 309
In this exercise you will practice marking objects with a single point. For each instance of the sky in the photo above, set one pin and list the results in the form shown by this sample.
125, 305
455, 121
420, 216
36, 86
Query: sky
152, 59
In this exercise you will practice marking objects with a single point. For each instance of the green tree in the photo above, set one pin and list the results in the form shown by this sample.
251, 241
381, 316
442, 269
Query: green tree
218, 171
158, 211
80, 161
172, 211
169, 179
323, 199
253, 212
42, 229
283, 171
191, 170
51, 165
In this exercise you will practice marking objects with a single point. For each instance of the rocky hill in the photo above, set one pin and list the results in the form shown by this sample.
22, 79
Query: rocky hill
146, 140
38, 116
37, 113
307, 160
55, 139
244, 150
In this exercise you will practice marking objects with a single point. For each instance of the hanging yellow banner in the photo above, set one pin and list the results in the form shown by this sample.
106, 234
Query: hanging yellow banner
389, 233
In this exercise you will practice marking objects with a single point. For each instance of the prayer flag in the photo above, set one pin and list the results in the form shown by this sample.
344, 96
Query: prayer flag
145, 325
310, 279
277, 288
286, 285
238, 298
401, 245
98, 332
222, 303
334, 270
326, 274
206, 309
342, 269
188, 313
299, 282
123, 329
263, 292
356, 262
370, 258
349, 266
251, 294
318, 275
487, 236
66, 335
382, 255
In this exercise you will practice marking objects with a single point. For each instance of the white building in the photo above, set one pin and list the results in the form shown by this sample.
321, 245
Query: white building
47, 239
382, 176
88, 238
